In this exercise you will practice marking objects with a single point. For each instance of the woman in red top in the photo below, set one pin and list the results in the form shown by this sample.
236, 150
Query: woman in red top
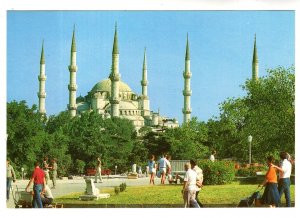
271, 194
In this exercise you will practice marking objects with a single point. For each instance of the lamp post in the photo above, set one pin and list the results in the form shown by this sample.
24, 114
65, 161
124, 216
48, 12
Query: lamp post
249, 140
22, 169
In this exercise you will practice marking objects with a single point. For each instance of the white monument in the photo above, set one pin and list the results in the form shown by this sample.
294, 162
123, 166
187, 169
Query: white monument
92, 192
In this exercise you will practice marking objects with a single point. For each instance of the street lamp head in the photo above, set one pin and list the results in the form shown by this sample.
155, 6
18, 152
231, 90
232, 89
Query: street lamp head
250, 138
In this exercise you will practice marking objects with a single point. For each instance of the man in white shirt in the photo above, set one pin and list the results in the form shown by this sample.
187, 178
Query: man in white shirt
163, 163
189, 187
46, 196
285, 169
199, 172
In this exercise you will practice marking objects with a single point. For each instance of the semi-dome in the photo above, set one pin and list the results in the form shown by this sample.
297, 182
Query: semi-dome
105, 85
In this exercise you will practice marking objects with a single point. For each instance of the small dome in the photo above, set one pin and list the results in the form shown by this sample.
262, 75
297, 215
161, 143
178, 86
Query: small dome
105, 85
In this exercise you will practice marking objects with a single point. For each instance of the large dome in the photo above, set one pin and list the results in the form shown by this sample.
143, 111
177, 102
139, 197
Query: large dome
105, 85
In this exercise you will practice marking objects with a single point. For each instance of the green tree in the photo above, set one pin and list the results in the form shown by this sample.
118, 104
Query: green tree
25, 134
271, 117
267, 112
188, 141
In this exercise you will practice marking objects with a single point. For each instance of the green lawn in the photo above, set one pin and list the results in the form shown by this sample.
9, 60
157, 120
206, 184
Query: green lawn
171, 194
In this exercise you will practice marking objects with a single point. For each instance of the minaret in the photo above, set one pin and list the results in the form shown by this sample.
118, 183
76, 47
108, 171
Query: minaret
187, 88
145, 106
255, 62
42, 80
72, 86
115, 78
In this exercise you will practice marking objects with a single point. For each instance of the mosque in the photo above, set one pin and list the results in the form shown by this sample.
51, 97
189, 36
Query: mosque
112, 97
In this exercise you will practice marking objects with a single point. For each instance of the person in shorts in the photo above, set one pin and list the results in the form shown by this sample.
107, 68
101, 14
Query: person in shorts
189, 187
152, 168
162, 166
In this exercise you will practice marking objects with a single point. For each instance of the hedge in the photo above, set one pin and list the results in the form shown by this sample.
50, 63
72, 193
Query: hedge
218, 172
251, 171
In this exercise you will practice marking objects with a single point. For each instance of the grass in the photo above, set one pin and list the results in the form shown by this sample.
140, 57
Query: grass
170, 194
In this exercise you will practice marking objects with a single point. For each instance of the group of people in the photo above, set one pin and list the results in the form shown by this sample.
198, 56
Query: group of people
53, 168
192, 184
42, 194
162, 168
275, 188
193, 179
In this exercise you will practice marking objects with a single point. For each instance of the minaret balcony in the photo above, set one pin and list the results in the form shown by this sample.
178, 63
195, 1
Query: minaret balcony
42, 111
187, 111
144, 82
114, 101
187, 75
72, 87
41, 94
187, 92
144, 97
73, 107
72, 68
42, 77
114, 77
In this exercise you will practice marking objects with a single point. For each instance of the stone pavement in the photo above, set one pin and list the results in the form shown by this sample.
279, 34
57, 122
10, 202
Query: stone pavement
67, 186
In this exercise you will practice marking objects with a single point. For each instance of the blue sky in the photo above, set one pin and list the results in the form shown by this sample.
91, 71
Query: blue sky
221, 49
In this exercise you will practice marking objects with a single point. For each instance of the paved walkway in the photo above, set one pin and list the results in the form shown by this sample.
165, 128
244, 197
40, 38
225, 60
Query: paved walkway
77, 184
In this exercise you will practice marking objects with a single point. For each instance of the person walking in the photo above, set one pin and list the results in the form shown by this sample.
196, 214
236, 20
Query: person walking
189, 187
169, 168
54, 172
271, 194
199, 173
46, 169
10, 177
162, 166
152, 168
98, 170
38, 179
285, 170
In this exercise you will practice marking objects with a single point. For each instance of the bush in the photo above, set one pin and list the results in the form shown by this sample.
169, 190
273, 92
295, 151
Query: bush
79, 166
123, 186
251, 171
218, 172
117, 190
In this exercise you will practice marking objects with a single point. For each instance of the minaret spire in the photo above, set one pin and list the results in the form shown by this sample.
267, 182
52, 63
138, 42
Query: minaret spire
187, 52
144, 81
145, 103
255, 62
42, 80
42, 61
187, 89
72, 85
115, 46
115, 78
73, 46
